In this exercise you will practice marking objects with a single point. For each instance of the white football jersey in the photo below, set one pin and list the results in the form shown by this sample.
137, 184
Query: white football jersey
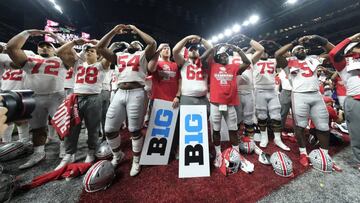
88, 77
194, 80
245, 81
106, 85
131, 67
285, 83
264, 73
6, 62
351, 77
13, 79
114, 80
303, 74
44, 75
69, 79
148, 83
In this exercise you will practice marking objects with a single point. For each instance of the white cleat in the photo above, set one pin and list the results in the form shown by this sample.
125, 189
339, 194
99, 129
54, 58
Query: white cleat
264, 141
135, 168
218, 160
35, 158
62, 150
264, 158
116, 160
68, 158
89, 158
279, 143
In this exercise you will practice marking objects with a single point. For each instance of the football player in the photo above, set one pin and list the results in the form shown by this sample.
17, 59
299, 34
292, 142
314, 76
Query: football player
194, 85
345, 58
267, 100
45, 76
223, 93
128, 102
89, 77
306, 98
245, 110
13, 79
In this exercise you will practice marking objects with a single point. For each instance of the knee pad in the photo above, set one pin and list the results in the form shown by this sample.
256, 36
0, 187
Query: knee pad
276, 125
262, 123
275, 114
261, 114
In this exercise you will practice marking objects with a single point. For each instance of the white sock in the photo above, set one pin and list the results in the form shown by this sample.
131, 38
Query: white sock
218, 149
114, 143
40, 148
326, 151
136, 159
137, 144
24, 135
277, 136
302, 150
264, 133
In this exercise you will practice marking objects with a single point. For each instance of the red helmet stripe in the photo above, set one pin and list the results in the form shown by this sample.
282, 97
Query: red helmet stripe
94, 168
323, 160
283, 165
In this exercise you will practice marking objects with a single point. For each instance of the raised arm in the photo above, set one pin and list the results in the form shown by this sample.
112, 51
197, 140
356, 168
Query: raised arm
279, 54
259, 50
206, 44
153, 62
179, 59
151, 43
66, 54
116, 45
205, 57
57, 37
318, 40
336, 55
15, 44
245, 61
105, 41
